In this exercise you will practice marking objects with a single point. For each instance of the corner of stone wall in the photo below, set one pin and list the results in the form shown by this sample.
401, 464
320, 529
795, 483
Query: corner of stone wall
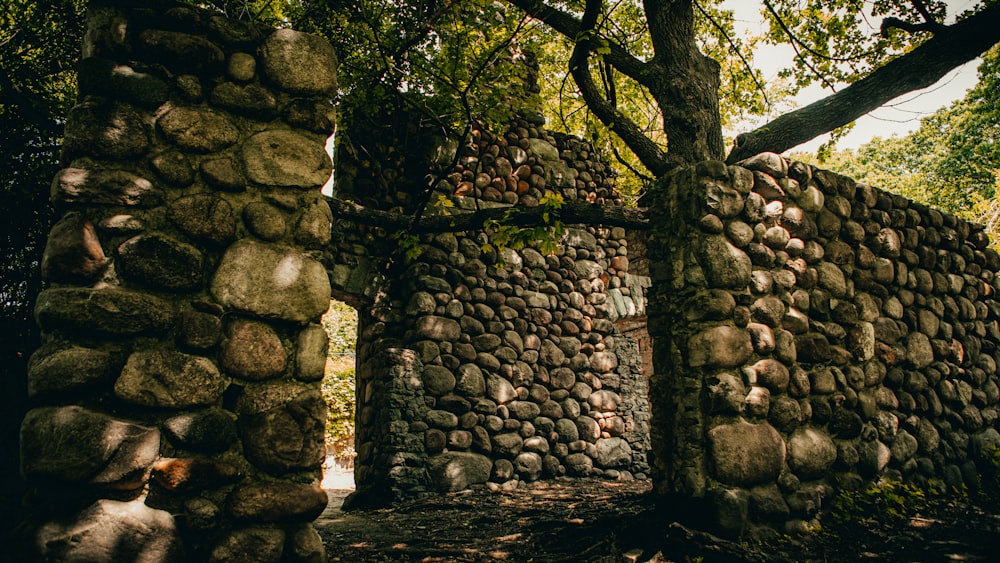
814, 335
176, 411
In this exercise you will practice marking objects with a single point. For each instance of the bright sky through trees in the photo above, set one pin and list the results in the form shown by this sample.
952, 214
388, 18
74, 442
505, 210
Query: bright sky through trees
898, 117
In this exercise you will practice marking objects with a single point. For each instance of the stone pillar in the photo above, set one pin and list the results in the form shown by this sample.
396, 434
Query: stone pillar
176, 411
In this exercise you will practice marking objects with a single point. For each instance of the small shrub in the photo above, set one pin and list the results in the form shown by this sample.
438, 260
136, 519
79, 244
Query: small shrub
884, 502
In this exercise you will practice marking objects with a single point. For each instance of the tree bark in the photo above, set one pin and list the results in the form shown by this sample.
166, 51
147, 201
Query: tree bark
571, 213
954, 45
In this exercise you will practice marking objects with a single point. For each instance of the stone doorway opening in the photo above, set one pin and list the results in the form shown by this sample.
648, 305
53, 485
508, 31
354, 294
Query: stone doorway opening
338, 388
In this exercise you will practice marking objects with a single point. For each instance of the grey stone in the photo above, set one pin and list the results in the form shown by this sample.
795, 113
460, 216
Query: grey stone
205, 217
271, 281
438, 380
198, 129
286, 159
161, 262
73, 252
76, 445
105, 129
454, 471
210, 430
441, 419
579, 464
306, 545
165, 378
310, 353
252, 350
721, 346
299, 62
470, 381
104, 187
528, 466
68, 370
174, 167
613, 453
810, 453
588, 428
918, 350
746, 454
604, 400
221, 173
181, 50
277, 502
250, 545
437, 328
265, 221
105, 78
312, 228
249, 99
288, 436
508, 444
725, 265
111, 530
199, 330
725, 394
107, 311
772, 374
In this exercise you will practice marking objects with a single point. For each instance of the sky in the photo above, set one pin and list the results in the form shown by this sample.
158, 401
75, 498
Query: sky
898, 117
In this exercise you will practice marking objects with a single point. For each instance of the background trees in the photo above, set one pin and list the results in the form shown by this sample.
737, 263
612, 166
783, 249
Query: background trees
951, 161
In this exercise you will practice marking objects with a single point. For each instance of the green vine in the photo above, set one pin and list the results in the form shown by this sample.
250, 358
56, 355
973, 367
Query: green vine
502, 234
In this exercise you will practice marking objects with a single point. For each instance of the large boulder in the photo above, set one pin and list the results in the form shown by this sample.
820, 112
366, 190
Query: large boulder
110, 530
454, 471
271, 281
170, 379
746, 454
299, 62
286, 159
76, 445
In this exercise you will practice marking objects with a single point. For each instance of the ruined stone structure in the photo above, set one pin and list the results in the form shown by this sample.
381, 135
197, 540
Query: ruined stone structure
176, 403
813, 334
810, 333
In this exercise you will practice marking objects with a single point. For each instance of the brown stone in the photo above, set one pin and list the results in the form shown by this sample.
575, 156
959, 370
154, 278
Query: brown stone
252, 350
189, 474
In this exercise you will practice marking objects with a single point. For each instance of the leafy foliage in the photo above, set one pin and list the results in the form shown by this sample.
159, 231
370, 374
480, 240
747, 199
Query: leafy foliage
503, 234
950, 162
341, 324
885, 501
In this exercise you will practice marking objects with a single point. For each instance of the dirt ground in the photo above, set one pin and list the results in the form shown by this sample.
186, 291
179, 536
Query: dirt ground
612, 521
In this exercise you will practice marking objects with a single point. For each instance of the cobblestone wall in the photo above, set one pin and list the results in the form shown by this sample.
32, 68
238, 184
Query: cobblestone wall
515, 370
175, 403
812, 335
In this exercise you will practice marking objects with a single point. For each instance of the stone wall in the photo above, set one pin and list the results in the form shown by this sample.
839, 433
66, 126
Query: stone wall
813, 335
175, 403
486, 366
176, 410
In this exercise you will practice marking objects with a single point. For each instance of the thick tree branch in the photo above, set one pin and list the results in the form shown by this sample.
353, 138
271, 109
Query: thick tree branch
571, 213
954, 45
896, 23
569, 26
651, 156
